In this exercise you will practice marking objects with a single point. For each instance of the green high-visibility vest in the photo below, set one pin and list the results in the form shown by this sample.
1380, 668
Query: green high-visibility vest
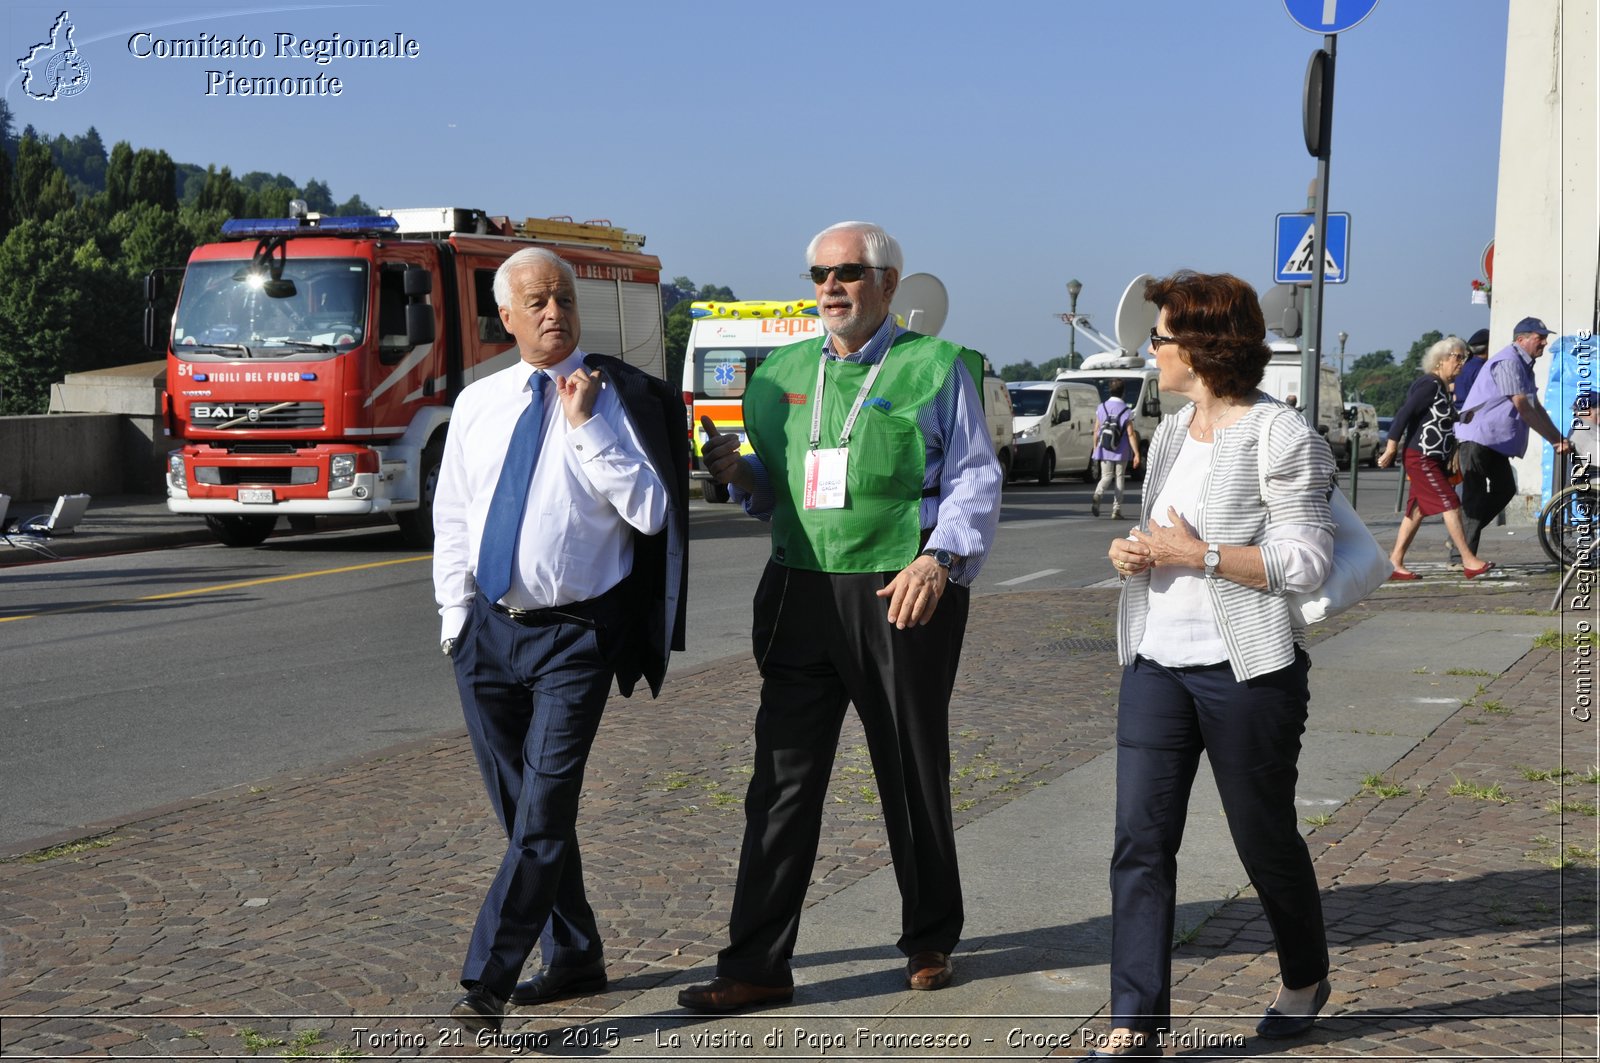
879, 529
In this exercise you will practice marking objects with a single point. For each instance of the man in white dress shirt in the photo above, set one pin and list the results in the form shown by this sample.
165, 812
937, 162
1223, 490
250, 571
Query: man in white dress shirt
545, 602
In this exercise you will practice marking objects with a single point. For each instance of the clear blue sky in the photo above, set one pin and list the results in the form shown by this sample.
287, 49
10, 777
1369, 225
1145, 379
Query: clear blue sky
1009, 146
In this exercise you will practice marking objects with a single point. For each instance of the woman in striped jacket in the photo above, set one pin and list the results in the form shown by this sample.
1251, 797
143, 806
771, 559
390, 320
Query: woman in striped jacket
1211, 659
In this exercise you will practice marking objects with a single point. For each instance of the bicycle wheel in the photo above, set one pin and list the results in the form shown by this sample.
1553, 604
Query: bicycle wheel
1567, 526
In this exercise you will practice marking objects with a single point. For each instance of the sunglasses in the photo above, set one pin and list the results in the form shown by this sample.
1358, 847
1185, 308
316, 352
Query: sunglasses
846, 272
1156, 339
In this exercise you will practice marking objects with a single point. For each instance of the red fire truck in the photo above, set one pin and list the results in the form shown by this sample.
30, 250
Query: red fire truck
312, 361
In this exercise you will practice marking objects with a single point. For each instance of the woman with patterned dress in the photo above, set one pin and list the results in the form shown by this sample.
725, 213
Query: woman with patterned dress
1424, 431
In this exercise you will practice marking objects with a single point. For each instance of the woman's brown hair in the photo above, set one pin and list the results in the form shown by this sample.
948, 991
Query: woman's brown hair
1216, 319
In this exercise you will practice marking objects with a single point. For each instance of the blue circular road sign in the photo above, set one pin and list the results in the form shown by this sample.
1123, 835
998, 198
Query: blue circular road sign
1329, 16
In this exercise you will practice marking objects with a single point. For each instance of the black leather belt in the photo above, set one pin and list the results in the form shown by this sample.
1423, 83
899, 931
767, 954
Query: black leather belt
540, 617
584, 613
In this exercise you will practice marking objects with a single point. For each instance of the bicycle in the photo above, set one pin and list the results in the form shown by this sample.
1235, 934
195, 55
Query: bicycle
1567, 525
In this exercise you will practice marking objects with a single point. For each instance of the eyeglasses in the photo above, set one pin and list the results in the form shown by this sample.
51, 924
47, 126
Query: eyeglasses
1157, 339
845, 271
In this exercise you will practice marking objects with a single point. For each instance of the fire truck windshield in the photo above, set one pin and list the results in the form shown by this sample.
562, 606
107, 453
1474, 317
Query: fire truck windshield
228, 309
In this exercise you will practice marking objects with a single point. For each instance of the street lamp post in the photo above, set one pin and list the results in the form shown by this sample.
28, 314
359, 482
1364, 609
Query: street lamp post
1074, 286
1343, 335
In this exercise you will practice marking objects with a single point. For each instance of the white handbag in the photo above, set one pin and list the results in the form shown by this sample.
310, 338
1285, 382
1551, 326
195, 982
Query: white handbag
1359, 564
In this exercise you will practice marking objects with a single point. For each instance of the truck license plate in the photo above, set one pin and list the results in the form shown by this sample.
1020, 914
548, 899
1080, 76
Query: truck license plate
255, 494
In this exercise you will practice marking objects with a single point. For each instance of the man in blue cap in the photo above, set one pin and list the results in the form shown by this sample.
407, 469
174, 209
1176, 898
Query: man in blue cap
1502, 405
1477, 357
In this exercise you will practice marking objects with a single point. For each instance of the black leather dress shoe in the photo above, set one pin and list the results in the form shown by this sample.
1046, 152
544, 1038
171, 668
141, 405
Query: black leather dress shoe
1275, 1024
555, 983
479, 1010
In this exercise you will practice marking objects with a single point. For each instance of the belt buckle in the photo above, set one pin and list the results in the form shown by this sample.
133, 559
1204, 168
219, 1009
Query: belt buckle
517, 614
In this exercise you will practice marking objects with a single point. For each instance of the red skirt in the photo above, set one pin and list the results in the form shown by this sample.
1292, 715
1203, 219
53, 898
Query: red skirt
1431, 490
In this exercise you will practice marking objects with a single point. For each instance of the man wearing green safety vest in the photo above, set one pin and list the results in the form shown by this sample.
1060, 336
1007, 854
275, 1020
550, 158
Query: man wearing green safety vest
873, 464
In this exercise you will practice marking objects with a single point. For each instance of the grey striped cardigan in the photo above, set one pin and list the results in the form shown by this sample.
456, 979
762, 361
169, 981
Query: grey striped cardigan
1300, 476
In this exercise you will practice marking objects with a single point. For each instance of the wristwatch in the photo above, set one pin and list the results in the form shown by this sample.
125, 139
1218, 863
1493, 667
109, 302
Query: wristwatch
446, 646
943, 558
1213, 559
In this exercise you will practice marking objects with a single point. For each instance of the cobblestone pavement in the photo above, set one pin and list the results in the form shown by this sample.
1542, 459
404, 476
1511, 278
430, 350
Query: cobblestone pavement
275, 919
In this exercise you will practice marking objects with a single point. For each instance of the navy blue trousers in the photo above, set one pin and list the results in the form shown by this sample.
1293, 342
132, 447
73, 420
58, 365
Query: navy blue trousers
822, 642
532, 697
1250, 732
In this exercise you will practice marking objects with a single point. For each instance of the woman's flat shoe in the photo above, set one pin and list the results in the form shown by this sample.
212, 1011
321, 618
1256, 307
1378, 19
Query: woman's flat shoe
1399, 575
1474, 573
1275, 1024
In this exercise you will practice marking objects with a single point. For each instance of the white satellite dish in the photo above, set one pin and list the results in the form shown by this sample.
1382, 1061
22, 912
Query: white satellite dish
922, 303
1136, 316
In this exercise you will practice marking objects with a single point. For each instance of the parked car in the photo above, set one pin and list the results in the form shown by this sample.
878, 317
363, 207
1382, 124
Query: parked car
1054, 428
1361, 420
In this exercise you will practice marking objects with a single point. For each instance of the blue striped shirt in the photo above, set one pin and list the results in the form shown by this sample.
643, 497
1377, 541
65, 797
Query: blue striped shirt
960, 463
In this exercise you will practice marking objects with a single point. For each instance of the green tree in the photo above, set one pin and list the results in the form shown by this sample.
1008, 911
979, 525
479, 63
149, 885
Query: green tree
149, 238
1413, 362
153, 179
318, 197
119, 176
676, 323
31, 176
63, 309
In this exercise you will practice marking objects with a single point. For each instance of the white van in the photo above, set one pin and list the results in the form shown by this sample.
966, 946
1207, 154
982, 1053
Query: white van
997, 414
1282, 381
1141, 389
1361, 421
1054, 428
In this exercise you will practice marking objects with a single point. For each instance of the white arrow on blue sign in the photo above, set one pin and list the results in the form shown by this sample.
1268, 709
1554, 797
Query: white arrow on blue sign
1329, 16
1296, 249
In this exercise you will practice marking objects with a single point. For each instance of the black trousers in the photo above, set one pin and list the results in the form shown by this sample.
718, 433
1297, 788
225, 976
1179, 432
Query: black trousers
1250, 731
1487, 485
821, 642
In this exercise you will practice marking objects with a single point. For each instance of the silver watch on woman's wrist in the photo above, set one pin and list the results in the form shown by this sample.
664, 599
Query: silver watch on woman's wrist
1213, 558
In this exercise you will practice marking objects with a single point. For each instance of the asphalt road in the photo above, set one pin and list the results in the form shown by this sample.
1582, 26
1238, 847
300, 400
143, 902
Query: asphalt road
135, 680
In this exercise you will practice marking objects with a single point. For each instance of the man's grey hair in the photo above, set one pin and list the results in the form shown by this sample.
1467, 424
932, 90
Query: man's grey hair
529, 256
882, 249
1442, 350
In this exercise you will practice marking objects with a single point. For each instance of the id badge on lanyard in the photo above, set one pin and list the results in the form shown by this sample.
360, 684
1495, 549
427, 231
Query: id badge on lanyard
827, 468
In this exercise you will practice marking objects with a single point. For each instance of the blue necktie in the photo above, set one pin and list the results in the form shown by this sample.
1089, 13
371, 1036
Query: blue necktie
500, 530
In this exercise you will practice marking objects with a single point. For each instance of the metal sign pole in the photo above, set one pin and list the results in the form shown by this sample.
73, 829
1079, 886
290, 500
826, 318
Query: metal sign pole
1311, 366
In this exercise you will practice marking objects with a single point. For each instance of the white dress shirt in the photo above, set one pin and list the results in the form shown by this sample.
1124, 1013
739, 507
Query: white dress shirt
593, 485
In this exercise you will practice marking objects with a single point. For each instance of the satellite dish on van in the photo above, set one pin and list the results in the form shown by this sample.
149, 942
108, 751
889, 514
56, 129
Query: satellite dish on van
922, 303
1136, 316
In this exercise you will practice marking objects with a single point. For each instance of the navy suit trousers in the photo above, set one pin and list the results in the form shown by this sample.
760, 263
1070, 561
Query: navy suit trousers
1250, 731
532, 697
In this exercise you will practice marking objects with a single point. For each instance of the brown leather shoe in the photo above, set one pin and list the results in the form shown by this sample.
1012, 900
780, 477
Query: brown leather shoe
729, 994
930, 970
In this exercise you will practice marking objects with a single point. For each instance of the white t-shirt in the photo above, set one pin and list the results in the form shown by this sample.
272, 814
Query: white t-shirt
1181, 629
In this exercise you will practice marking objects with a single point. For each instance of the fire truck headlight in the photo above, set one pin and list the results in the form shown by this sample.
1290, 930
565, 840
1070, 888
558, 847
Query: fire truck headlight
341, 472
175, 472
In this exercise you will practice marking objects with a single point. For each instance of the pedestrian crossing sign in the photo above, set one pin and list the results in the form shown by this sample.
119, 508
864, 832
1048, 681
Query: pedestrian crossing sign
1296, 249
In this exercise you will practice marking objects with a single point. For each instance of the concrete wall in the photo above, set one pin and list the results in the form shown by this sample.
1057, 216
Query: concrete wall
1546, 232
45, 455
103, 436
